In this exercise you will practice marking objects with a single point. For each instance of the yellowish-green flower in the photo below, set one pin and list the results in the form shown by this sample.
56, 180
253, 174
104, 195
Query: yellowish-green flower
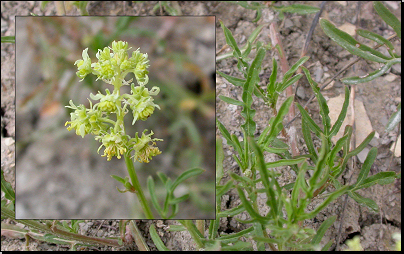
144, 147
141, 102
108, 103
141, 63
84, 120
115, 144
84, 65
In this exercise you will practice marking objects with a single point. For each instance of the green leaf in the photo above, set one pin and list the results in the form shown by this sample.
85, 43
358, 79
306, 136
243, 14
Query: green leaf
321, 163
277, 122
301, 9
367, 202
362, 146
119, 179
7, 188
153, 196
334, 195
370, 158
381, 178
275, 150
173, 228
264, 175
337, 125
184, 176
248, 207
225, 133
247, 181
310, 122
280, 163
225, 238
348, 42
338, 146
230, 40
222, 189
219, 160
388, 17
156, 239
271, 87
252, 79
231, 100
308, 139
233, 80
322, 229
238, 246
232, 212
372, 75
291, 81
294, 68
395, 119
178, 200
324, 110
7, 39
374, 37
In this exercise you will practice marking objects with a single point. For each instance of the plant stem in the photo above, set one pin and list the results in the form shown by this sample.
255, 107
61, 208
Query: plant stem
138, 188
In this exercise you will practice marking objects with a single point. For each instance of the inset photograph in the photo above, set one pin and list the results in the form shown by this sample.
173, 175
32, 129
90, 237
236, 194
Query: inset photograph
115, 117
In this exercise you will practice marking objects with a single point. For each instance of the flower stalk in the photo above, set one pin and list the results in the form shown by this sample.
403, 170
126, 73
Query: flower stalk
112, 67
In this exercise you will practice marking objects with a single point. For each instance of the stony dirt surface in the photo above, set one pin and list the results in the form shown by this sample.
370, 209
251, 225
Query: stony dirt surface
380, 99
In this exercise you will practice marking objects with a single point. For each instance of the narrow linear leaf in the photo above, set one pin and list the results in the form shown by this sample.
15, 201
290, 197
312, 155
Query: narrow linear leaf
156, 239
287, 162
370, 158
298, 8
237, 235
275, 150
252, 79
381, 178
7, 188
374, 37
7, 39
324, 110
230, 40
238, 246
308, 139
367, 202
264, 174
328, 200
231, 100
338, 146
232, 212
348, 42
388, 17
233, 80
271, 88
291, 81
310, 122
322, 229
225, 133
337, 125
248, 207
219, 160
294, 68
395, 119
362, 146
373, 75
184, 176
222, 189
277, 125
178, 200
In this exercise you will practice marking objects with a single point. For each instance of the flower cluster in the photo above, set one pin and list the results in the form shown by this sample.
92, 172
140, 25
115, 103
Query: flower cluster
112, 67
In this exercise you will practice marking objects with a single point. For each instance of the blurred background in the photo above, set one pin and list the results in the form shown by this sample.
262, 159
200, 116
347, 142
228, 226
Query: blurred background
59, 175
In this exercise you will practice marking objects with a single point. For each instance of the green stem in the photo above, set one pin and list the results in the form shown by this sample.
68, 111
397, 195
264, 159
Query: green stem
138, 188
